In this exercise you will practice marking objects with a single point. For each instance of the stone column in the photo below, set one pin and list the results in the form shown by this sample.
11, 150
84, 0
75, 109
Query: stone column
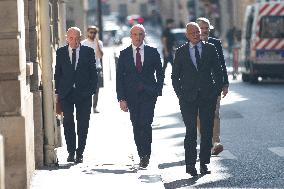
16, 103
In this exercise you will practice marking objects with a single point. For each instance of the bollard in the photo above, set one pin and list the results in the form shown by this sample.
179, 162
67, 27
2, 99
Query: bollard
2, 166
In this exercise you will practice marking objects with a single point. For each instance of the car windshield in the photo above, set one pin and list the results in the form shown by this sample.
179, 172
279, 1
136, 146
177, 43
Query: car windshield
272, 27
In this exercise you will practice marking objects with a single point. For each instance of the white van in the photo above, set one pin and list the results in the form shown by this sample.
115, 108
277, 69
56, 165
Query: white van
262, 45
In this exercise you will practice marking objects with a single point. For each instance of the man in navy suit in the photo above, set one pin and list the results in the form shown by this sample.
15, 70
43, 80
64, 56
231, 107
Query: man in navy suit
139, 81
75, 83
197, 82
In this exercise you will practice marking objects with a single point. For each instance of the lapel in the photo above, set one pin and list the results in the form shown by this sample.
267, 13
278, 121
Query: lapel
131, 62
188, 57
81, 51
66, 54
203, 48
203, 54
146, 56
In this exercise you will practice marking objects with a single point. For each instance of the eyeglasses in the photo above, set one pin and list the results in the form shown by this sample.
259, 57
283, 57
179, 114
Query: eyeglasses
93, 32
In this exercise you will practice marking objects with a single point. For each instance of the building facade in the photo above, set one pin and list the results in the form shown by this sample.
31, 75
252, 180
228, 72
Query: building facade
29, 36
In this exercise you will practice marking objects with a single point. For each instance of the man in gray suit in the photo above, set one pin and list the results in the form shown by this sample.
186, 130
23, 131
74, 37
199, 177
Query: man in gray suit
197, 81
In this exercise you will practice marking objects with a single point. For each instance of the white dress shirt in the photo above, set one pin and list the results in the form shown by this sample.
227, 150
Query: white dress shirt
77, 55
141, 53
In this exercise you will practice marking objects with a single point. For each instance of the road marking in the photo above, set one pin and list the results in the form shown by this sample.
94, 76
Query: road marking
226, 154
277, 150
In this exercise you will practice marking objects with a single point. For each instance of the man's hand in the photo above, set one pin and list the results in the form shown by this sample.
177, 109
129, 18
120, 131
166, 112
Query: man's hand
123, 105
225, 91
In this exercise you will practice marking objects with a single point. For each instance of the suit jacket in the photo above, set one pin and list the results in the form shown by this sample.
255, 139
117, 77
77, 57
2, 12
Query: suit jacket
187, 80
84, 77
217, 43
128, 78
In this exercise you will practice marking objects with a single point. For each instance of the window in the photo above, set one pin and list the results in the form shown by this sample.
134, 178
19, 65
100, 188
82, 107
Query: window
272, 27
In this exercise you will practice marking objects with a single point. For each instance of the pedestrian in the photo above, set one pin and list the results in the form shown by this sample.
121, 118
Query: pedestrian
230, 35
75, 83
205, 27
168, 42
139, 81
197, 82
93, 41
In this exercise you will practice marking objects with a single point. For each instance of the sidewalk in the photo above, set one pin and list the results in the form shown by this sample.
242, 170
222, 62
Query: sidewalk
110, 157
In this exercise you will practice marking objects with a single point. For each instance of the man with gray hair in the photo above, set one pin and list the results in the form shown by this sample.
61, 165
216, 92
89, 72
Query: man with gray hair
197, 82
205, 27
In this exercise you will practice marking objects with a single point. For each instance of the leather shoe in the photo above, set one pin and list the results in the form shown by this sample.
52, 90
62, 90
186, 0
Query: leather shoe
144, 162
191, 170
70, 158
217, 149
204, 170
95, 111
79, 159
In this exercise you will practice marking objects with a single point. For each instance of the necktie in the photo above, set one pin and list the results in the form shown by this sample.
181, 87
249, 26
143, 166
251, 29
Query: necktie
197, 57
73, 58
138, 60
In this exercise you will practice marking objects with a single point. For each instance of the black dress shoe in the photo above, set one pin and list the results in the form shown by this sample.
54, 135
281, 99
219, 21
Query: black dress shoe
79, 159
204, 170
144, 162
70, 158
191, 170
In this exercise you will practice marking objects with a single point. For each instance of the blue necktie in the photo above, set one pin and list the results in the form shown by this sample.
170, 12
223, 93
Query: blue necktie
73, 58
197, 57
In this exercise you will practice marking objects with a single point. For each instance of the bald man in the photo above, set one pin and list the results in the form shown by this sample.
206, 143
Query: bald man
197, 82
139, 81
75, 83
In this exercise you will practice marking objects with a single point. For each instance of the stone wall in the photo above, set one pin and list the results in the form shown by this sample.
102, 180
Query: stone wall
16, 101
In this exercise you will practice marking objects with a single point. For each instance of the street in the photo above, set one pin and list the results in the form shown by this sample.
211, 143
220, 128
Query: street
252, 128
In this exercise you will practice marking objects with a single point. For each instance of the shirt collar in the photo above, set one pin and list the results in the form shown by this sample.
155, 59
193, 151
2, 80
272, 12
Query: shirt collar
141, 47
77, 49
199, 44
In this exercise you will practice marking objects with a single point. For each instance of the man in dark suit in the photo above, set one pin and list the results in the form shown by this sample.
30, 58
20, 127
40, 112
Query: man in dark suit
75, 83
205, 27
197, 81
139, 81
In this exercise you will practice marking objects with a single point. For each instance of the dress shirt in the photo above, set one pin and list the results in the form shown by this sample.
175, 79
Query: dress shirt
192, 52
77, 55
141, 52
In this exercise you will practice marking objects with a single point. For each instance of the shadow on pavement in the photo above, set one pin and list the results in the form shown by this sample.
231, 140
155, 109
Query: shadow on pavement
58, 167
182, 183
172, 164
110, 171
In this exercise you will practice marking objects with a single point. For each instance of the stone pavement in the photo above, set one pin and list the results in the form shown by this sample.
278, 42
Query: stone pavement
110, 157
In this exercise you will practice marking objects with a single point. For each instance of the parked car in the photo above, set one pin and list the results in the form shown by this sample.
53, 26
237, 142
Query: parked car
134, 19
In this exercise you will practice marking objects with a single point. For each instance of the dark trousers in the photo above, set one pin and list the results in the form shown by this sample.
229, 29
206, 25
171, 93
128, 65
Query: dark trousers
168, 59
96, 98
141, 116
83, 110
189, 111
